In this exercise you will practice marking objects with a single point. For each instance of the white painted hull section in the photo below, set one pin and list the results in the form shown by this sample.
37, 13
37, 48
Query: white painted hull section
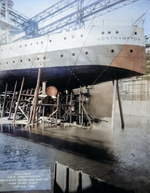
18, 54
97, 46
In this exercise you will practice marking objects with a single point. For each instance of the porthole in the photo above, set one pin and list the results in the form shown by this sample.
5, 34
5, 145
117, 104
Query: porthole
103, 32
72, 36
28, 59
37, 58
112, 50
20, 60
36, 42
131, 51
135, 33
20, 46
64, 38
81, 35
44, 58
109, 32
6, 62
31, 44
73, 54
41, 42
25, 45
61, 55
117, 32
86, 53
50, 40
13, 61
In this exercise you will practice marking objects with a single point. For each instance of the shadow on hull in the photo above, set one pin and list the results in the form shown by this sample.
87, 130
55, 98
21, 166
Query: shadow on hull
64, 78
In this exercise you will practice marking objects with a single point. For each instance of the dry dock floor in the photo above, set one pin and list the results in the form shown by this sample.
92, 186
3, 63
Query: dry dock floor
118, 156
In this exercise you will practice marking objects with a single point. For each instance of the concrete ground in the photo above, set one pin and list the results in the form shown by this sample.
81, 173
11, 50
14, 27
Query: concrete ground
120, 157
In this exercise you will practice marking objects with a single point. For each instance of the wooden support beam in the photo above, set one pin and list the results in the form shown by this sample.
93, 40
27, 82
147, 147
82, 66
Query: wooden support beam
82, 114
86, 114
57, 108
12, 101
36, 94
25, 99
44, 88
120, 107
16, 108
80, 106
22, 112
113, 105
70, 108
3, 109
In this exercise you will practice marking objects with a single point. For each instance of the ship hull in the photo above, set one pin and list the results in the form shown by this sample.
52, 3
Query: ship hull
73, 59
62, 78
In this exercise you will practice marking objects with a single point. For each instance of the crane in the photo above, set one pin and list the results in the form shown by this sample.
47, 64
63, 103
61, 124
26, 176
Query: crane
34, 27
86, 13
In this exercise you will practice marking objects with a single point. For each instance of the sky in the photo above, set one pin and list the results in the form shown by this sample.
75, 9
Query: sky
129, 12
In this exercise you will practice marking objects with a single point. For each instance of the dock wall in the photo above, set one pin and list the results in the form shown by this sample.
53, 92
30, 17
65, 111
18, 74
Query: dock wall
135, 96
134, 93
67, 180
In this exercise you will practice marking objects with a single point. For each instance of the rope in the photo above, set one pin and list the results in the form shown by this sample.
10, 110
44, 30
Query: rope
72, 73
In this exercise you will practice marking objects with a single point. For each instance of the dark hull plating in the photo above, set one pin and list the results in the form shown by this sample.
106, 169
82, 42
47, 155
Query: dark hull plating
64, 77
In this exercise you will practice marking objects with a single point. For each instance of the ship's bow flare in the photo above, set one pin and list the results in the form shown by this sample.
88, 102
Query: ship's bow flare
131, 57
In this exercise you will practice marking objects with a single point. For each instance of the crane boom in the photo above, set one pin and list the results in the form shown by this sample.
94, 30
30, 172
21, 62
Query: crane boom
33, 27
17, 18
30, 26
88, 12
54, 10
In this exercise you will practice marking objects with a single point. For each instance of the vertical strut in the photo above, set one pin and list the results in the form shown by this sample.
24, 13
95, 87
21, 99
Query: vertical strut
16, 108
12, 99
71, 108
80, 106
4, 100
120, 107
57, 112
36, 93
113, 105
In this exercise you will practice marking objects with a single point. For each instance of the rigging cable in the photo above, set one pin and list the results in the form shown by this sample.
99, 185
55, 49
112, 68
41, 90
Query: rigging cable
94, 82
72, 73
